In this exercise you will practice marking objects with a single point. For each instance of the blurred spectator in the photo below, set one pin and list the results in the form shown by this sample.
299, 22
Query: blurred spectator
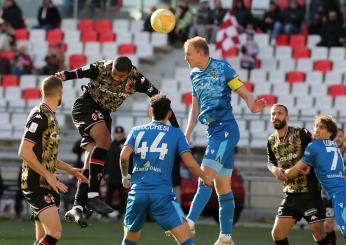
147, 22
48, 16
12, 14
291, 19
112, 171
55, 60
184, 21
202, 22
4, 66
7, 40
22, 63
218, 14
249, 51
331, 31
266, 24
316, 14
241, 13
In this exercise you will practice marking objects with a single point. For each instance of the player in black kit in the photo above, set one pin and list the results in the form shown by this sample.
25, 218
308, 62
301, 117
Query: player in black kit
111, 82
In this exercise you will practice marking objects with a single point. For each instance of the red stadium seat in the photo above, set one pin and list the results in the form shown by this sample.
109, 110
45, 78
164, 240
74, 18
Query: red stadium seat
8, 55
54, 36
270, 98
86, 25
232, 52
297, 40
103, 25
21, 34
77, 60
284, 3
249, 86
282, 40
301, 53
295, 77
337, 90
187, 98
89, 36
31, 94
106, 36
127, 49
10, 81
323, 65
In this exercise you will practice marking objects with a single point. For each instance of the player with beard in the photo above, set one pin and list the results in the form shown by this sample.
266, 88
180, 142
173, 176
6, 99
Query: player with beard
302, 198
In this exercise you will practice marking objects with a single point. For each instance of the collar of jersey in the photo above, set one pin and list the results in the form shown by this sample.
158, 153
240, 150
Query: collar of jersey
207, 65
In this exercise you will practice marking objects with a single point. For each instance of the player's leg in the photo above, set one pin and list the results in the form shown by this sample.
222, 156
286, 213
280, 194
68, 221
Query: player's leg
100, 133
77, 212
329, 223
166, 211
50, 221
281, 227
339, 206
39, 231
136, 213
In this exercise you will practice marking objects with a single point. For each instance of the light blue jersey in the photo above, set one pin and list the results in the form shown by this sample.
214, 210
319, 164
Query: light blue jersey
326, 158
155, 146
212, 87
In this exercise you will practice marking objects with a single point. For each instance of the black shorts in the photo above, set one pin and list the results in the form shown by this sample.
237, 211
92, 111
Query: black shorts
328, 204
41, 200
85, 114
302, 205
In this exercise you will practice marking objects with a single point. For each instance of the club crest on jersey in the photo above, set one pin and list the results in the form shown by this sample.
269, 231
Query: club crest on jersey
213, 73
94, 116
291, 140
47, 199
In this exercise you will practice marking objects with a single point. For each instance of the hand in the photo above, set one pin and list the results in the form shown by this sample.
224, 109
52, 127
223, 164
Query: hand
258, 105
126, 180
305, 171
279, 173
207, 181
52, 180
76, 172
60, 75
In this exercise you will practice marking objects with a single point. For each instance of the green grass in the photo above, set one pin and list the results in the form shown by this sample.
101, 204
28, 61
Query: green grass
107, 233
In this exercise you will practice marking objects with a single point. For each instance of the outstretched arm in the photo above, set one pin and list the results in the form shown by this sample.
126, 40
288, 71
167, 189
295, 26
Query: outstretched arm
255, 105
76, 172
89, 71
299, 168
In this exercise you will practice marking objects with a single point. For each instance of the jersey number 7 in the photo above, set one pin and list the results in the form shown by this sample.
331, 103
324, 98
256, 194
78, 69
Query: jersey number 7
336, 152
144, 149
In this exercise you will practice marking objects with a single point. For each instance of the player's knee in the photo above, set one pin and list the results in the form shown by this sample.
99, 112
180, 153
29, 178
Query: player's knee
56, 234
278, 235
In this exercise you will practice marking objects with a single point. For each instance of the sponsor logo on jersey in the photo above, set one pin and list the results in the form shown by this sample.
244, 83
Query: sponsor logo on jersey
38, 116
289, 157
310, 212
33, 127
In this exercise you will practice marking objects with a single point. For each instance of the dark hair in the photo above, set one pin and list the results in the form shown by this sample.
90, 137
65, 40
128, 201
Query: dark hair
160, 105
341, 130
122, 64
329, 122
50, 86
283, 106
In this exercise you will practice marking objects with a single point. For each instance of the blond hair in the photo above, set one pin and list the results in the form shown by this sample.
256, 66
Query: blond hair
198, 43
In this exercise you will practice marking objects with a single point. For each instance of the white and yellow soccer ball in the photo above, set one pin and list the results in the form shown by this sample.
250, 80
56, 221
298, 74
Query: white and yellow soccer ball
162, 20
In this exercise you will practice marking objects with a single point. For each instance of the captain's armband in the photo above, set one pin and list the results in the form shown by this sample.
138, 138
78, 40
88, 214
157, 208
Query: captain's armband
235, 83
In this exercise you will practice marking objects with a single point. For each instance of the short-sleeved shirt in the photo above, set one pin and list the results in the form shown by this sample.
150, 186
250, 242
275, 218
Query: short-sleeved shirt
212, 87
286, 152
155, 146
42, 129
325, 157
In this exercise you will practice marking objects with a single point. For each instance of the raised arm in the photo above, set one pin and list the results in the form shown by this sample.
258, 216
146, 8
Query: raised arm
143, 85
89, 71
76, 172
192, 120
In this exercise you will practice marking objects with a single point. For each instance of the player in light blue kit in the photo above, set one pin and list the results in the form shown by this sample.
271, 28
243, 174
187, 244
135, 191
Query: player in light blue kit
324, 155
154, 147
212, 83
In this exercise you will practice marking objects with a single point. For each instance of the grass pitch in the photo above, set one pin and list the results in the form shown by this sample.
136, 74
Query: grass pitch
107, 233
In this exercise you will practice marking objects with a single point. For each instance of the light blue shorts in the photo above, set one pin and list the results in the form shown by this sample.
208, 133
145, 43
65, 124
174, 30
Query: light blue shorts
219, 154
163, 208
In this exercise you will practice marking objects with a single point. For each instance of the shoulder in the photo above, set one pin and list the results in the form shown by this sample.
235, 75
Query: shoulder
271, 137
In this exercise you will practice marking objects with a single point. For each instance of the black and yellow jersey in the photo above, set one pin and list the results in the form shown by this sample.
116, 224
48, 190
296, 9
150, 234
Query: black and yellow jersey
42, 129
286, 152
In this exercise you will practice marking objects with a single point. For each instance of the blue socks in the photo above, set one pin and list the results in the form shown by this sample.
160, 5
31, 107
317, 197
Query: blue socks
200, 199
188, 242
226, 212
128, 242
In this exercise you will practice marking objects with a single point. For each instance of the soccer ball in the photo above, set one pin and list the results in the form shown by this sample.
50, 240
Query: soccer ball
162, 20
